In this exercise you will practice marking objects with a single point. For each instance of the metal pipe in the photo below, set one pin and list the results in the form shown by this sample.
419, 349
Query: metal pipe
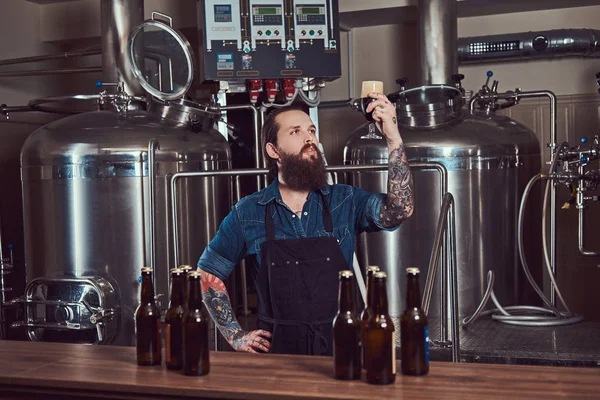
453, 281
263, 171
118, 17
153, 145
581, 210
243, 274
350, 64
434, 259
42, 72
62, 56
449, 272
438, 35
582, 249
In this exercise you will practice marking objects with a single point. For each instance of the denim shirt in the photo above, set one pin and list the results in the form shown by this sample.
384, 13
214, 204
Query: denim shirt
242, 232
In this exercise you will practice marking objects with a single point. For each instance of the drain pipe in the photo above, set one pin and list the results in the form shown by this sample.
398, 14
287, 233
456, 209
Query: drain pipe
438, 33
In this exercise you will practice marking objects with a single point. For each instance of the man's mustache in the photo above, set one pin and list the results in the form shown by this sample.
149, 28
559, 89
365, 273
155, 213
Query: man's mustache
308, 146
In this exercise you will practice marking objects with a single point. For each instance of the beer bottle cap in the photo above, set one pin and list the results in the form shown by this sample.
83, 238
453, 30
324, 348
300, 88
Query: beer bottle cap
146, 269
176, 271
380, 274
185, 267
413, 271
373, 268
195, 273
346, 274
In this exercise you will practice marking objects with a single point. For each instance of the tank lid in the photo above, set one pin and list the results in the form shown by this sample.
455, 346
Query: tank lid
161, 58
428, 106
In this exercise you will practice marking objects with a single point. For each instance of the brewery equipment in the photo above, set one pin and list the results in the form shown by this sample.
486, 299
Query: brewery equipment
95, 196
489, 159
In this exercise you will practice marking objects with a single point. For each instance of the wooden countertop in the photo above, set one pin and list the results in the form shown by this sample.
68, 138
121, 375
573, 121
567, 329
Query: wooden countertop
47, 370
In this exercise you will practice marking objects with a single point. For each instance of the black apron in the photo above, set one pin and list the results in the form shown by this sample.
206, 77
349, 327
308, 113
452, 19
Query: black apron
297, 286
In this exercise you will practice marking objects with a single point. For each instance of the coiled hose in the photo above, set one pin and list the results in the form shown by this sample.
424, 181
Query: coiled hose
528, 315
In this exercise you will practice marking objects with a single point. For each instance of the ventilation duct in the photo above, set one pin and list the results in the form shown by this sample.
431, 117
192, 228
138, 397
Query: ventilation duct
529, 45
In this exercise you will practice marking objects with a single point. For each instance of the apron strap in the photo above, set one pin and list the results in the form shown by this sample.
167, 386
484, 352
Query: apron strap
326, 215
315, 338
269, 225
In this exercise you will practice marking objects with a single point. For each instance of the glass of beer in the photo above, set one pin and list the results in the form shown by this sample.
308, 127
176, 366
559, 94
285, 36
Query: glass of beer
365, 100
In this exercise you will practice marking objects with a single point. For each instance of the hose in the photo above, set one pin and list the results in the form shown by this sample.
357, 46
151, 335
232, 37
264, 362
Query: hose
551, 316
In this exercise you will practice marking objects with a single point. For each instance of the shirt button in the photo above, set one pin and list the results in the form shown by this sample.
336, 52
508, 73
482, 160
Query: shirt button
294, 216
305, 213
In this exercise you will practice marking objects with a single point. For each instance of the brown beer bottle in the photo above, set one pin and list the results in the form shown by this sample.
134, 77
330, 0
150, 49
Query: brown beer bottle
346, 332
147, 324
174, 322
195, 330
186, 270
364, 317
379, 337
414, 334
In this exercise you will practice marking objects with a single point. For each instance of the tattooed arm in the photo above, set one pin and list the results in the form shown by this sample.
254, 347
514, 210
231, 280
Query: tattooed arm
216, 299
398, 204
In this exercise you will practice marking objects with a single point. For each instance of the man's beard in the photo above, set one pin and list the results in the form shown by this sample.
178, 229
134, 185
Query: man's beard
303, 174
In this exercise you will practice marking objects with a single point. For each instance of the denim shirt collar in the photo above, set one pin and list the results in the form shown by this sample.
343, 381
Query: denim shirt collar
271, 193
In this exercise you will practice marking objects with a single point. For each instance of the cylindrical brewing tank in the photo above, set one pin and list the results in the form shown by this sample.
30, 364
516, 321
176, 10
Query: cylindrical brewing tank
87, 211
489, 159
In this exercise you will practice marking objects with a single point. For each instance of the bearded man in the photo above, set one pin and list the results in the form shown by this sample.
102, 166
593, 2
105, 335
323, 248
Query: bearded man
302, 232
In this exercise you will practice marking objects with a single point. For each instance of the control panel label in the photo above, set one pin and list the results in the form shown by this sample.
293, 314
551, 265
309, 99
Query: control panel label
225, 61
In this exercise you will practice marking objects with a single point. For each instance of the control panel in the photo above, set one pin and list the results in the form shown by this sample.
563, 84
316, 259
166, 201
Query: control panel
310, 21
266, 22
226, 26
269, 39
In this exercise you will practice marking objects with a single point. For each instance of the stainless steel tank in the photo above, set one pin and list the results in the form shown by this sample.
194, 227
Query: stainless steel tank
86, 200
489, 159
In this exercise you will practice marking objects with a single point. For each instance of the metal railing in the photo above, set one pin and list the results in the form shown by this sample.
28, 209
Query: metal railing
446, 228
447, 219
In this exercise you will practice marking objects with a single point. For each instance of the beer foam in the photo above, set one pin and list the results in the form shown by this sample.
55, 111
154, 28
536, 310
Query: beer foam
371, 86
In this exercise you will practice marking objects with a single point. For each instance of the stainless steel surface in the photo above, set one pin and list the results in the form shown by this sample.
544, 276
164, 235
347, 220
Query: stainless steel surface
40, 72
553, 146
489, 159
61, 56
86, 199
438, 33
86, 305
429, 106
529, 45
118, 17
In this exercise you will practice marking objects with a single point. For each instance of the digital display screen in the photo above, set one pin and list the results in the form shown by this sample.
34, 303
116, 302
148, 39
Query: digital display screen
265, 11
309, 10
222, 13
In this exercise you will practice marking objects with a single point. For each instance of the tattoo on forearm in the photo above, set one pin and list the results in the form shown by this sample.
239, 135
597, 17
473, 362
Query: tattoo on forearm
216, 299
399, 202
